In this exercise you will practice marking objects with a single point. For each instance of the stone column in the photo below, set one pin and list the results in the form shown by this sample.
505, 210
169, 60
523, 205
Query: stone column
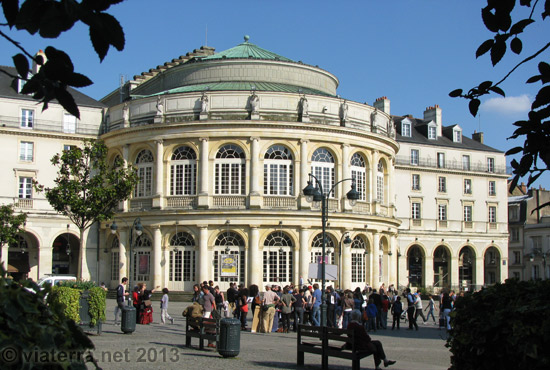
304, 253
303, 174
157, 256
124, 205
158, 199
204, 257
455, 283
391, 188
255, 261
346, 174
346, 266
479, 278
203, 198
429, 271
255, 173
123, 258
373, 177
393, 261
375, 261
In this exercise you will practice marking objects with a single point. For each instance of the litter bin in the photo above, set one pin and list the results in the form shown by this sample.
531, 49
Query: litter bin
229, 343
128, 322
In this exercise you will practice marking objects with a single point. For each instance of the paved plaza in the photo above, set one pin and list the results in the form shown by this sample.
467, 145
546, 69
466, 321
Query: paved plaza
157, 346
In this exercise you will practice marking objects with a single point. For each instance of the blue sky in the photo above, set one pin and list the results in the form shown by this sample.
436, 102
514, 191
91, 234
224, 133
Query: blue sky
413, 52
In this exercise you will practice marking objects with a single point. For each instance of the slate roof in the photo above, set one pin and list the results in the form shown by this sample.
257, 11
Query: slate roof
418, 137
8, 89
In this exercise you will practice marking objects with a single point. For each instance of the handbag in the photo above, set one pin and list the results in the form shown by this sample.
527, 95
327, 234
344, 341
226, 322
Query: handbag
147, 303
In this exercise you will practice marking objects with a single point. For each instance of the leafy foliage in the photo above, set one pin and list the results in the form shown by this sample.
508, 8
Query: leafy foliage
97, 304
10, 224
502, 327
67, 297
49, 19
65, 300
497, 17
28, 325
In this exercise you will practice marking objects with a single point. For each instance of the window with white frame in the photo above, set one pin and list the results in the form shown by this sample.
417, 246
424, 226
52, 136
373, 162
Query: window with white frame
514, 234
278, 171
277, 258
359, 174
517, 258
467, 186
322, 166
513, 212
69, 123
415, 211
467, 213
442, 184
358, 266
142, 258
406, 129
235, 243
466, 162
27, 118
490, 165
182, 258
317, 251
492, 214
26, 151
415, 157
457, 135
442, 212
492, 188
230, 171
68, 147
144, 166
432, 132
25, 187
380, 182
183, 171
415, 182
440, 160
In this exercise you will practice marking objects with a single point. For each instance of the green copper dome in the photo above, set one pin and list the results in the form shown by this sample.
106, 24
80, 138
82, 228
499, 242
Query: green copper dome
246, 50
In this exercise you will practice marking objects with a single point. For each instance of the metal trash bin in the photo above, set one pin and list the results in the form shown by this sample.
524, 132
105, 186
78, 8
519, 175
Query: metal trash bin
128, 322
229, 342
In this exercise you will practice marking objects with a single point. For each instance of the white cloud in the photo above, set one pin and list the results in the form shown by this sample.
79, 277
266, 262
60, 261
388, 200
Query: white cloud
508, 105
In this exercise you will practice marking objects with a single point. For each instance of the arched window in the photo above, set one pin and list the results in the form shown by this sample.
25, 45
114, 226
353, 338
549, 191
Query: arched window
183, 171
278, 171
231, 242
115, 259
359, 174
144, 164
230, 171
142, 258
182, 257
317, 250
278, 263
358, 271
380, 183
322, 166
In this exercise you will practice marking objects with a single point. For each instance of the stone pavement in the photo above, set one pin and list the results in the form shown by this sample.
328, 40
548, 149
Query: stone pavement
157, 346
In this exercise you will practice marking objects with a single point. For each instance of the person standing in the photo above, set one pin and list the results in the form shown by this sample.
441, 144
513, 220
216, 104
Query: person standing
378, 302
316, 311
396, 310
418, 307
231, 295
410, 310
120, 295
446, 308
269, 309
164, 307
287, 300
299, 304
430, 308
384, 314
242, 303
209, 303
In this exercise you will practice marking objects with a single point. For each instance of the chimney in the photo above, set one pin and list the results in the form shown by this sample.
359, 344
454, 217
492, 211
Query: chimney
382, 104
35, 66
478, 136
434, 114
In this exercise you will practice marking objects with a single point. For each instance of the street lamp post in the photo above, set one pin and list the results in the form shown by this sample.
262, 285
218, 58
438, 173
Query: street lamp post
138, 228
316, 194
536, 253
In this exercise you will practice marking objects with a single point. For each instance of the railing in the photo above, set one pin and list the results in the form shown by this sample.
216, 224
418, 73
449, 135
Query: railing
230, 201
182, 202
416, 222
280, 202
361, 207
24, 203
36, 204
51, 126
448, 165
468, 224
141, 204
442, 224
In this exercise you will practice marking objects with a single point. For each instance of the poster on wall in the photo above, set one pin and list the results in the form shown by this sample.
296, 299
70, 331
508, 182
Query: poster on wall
143, 264
228, 265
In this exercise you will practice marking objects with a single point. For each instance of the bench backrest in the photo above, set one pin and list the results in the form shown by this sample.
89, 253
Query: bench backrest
326, 334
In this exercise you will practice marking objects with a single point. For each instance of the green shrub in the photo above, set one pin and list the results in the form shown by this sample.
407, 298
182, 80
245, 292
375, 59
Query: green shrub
77, 284
506, 326
67, 297
65, 300
28, 326
97, 305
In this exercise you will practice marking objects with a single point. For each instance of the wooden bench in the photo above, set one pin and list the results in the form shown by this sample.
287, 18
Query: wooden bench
204, 329
328, 342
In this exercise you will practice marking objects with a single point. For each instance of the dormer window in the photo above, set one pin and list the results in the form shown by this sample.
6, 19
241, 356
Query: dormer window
457, 135
406, 129
432, 132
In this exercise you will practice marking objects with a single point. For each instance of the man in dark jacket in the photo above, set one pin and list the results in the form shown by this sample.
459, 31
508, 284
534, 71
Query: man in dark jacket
120, 294
378, 302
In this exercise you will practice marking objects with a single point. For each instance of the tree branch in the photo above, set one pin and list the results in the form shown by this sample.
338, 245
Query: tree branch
17, 45
522, 62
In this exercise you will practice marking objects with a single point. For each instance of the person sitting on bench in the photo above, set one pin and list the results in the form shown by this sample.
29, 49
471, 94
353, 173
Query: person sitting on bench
365, 344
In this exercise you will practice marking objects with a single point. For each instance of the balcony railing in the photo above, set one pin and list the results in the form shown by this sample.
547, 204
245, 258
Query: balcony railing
448, 165
51, 126
189, 202
229, 201
280, 202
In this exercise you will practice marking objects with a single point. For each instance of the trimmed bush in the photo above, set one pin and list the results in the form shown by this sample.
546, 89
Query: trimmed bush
505, 326
67, 297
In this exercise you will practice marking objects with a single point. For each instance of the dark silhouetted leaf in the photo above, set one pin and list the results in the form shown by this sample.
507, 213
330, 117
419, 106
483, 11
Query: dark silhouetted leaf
485, 47
497, 51
29, 15
78, 80
544, 69
31, 86
485, 85
516, 45
22, 65
116, 33
504, 20
543, 98
520, 26
489, 19
455, 93
67, 101
474, 106
515, 150
10, 8
546, 12
525, 3
497, 90
533, 79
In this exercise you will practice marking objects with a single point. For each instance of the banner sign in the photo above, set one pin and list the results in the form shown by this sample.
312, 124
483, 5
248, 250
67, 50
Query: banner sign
229, 265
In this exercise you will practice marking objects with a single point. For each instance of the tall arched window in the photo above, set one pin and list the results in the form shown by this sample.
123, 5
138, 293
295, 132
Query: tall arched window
230, 171
142, 258
115, 259
359, 174
380, 182
183, 171
278, 263
231, 242
278, 171
182, 257
358, 271
144, 164
322, 166
317, 250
